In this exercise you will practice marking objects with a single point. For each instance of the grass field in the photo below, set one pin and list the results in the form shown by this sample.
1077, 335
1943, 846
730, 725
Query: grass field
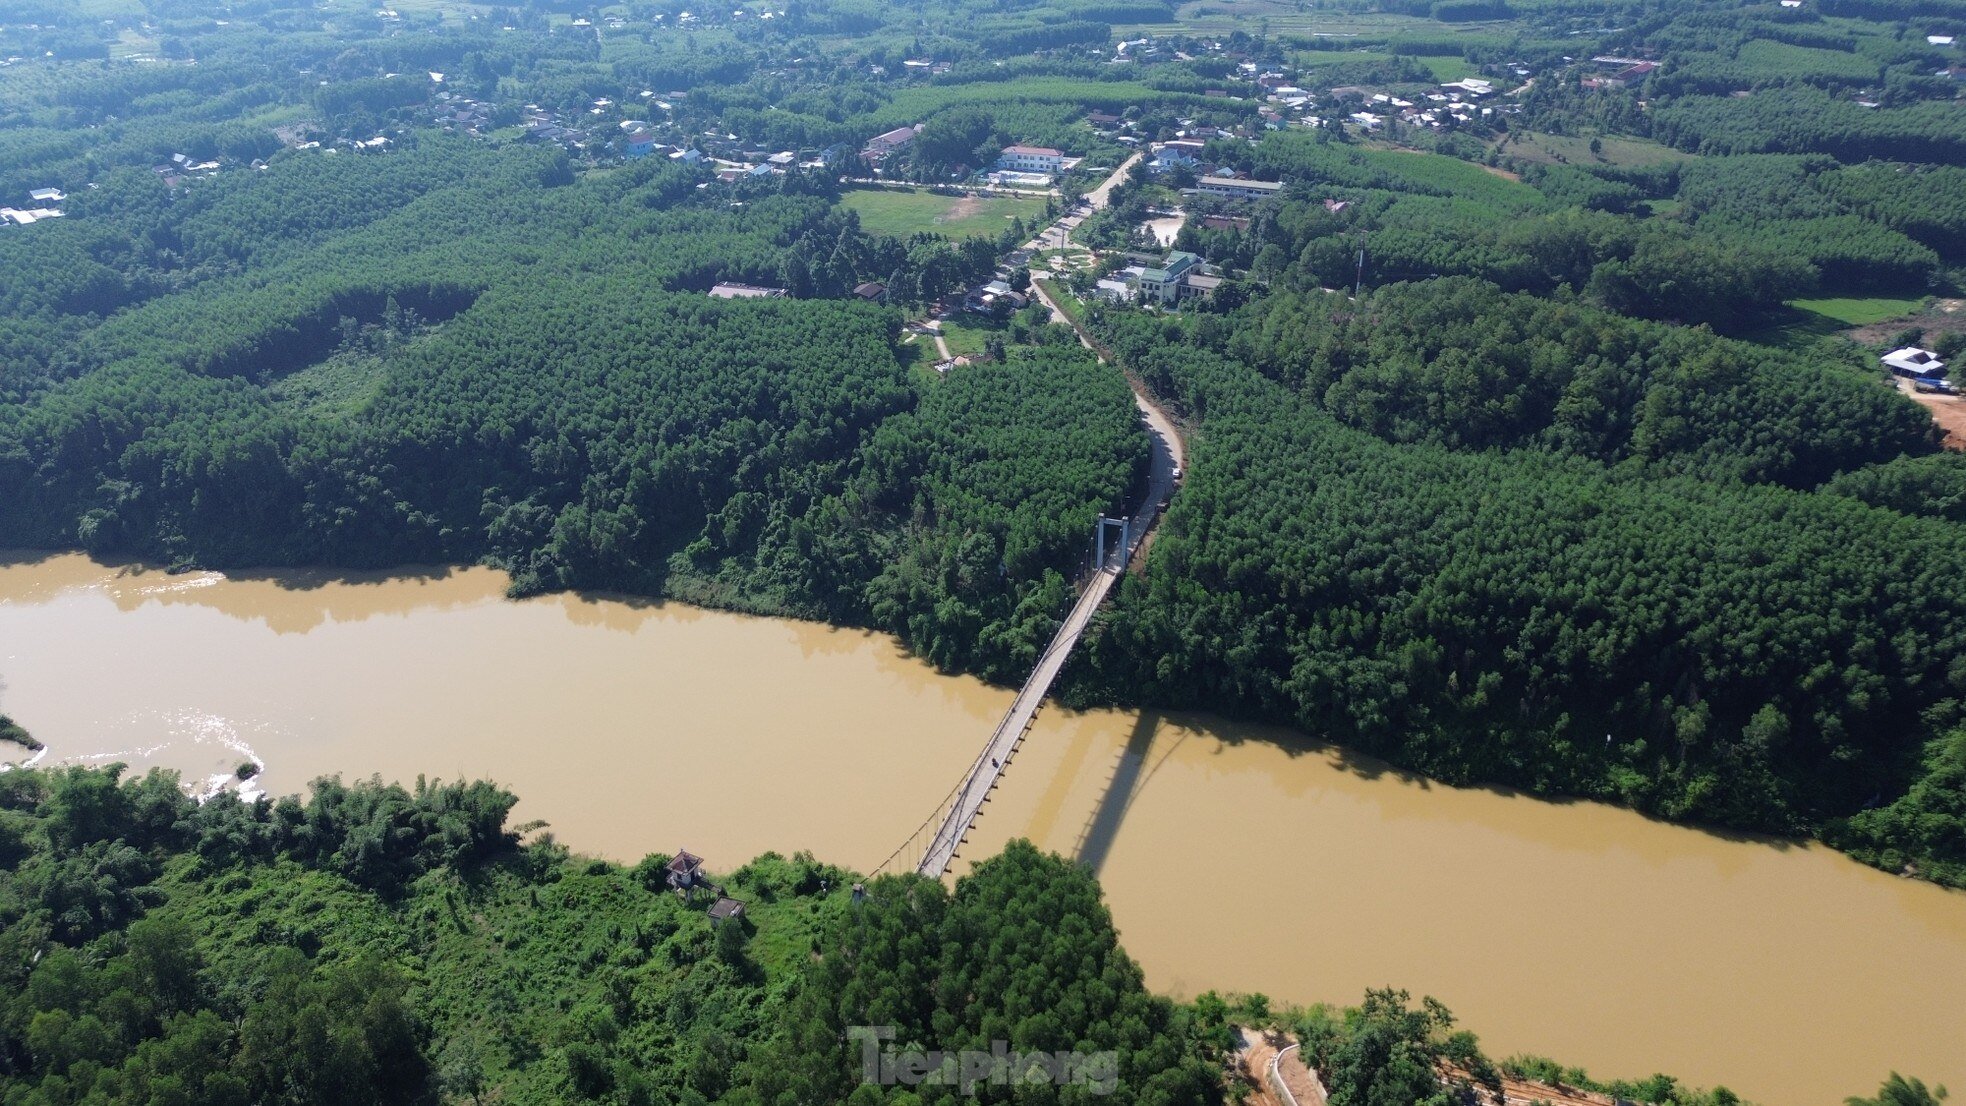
1312, 59
1447, 68
1860, 310
335, 389
966, 337
1557, 149
904, 213
1804, 322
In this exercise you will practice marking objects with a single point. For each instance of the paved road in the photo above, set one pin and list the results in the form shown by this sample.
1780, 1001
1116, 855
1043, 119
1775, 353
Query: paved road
1099, 196
1058, 235
1168, 454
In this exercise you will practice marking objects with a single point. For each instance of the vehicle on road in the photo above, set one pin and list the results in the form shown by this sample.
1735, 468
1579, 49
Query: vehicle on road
1934, 385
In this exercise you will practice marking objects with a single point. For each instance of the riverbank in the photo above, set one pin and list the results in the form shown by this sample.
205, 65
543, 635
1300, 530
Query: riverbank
12, 733
1569, 929
1082, 686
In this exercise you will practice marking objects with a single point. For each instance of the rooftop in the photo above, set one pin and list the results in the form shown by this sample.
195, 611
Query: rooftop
744, 292
1231, 182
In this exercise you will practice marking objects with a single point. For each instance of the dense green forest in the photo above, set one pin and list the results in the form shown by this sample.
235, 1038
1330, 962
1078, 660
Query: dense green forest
1554, 501
1504, 538
367, 943
371, 944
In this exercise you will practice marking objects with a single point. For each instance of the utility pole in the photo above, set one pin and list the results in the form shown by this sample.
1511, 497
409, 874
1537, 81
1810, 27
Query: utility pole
1358, 286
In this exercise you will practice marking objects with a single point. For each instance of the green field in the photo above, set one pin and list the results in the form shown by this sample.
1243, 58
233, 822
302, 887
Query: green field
904, 213
1312, 59
966, 338
129, 43
918, 102
1557, 149
1447, 68
1860, 310
1289, 17
1802, 323
1761, 58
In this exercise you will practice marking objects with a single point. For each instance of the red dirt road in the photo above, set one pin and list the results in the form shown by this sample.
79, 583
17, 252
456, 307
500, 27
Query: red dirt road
1948, 411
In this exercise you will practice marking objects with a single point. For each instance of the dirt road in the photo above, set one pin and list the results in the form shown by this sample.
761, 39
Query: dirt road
1948, 411
1262, 1047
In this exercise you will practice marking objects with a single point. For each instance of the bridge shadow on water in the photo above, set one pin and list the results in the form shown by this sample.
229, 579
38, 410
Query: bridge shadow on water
1131, 774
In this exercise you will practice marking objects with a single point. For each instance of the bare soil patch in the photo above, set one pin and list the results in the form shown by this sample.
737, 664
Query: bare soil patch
1944, 316
961, 209
1260, 1046
1948, 411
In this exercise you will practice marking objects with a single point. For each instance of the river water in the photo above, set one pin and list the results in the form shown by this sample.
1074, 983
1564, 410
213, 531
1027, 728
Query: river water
1234, 858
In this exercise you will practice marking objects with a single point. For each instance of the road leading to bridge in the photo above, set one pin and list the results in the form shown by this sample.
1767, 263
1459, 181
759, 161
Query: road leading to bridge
966, 802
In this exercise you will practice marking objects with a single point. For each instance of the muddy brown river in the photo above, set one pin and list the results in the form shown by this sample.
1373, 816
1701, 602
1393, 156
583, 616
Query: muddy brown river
1234, 858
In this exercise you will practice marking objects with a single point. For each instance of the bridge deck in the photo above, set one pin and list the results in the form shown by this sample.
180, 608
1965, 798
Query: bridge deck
1010, 732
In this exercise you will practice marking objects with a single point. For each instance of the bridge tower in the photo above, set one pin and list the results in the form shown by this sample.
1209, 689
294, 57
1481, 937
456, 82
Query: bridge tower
1125, 526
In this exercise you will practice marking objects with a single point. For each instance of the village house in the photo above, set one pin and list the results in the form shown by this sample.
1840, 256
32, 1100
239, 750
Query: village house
1914, 362
24, 218
1174, 155
882, 145
986, 299
684, 870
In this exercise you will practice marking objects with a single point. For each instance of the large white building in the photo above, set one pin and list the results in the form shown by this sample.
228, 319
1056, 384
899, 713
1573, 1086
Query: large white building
1031, 159
1231, 188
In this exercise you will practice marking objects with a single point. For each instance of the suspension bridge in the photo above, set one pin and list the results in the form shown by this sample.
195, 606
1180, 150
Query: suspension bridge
932, 847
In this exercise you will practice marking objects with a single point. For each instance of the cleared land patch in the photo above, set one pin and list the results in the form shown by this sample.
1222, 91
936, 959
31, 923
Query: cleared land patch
1557, 149
1860, 310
